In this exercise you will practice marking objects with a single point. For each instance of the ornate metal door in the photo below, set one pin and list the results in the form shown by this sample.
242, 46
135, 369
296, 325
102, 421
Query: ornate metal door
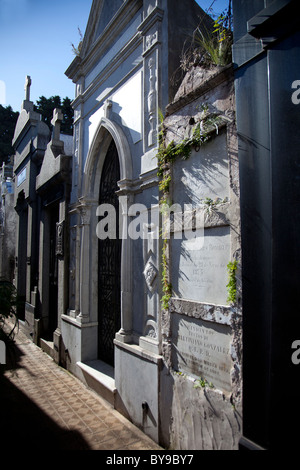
109, 261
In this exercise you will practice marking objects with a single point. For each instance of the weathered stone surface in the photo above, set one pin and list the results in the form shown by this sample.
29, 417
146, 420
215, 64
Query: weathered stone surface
7, 223
200, 323
205, 419
204, 175
199, 81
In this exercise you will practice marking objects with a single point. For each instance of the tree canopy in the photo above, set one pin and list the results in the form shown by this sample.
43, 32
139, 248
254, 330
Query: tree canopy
8, 119
45, 107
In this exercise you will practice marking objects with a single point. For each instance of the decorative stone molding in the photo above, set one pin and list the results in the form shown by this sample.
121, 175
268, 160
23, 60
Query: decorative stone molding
107, 125
154, 14
85, 214
151, 100
151, 39
108, 108
60, 238
76, 154
150, 274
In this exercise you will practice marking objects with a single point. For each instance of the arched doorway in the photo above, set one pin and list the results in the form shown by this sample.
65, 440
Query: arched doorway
109, 263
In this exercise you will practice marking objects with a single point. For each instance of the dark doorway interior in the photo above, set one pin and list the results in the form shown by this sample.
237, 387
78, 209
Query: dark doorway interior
21, 262
109, 271
53, 271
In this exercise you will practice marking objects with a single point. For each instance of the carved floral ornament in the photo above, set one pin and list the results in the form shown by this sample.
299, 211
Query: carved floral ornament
151, 330
150, 40
150, 274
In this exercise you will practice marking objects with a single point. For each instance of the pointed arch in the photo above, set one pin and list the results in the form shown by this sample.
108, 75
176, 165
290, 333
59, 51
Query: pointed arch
106, 131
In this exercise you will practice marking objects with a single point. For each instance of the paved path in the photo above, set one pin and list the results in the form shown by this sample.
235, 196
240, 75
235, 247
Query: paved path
45, 407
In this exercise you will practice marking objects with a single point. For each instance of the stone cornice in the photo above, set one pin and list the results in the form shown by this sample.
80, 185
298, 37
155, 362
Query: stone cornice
155, 15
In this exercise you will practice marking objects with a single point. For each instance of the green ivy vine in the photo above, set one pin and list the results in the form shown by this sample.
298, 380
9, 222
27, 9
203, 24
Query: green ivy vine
231, 286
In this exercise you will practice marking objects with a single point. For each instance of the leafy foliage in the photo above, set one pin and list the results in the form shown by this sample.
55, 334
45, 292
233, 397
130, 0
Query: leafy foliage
45, 107
77, 49
211, 205
202, 383
211, 45
216, 47
8, 305
166, 286
8, 119
231, 286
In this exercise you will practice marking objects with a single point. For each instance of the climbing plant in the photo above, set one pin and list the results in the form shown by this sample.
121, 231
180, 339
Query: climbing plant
231, 286
8, 307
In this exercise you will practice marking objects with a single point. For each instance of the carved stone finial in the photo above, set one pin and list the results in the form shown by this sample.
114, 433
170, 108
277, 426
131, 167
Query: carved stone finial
107, 108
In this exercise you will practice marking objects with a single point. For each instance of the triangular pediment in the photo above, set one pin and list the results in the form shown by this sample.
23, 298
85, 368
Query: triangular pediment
102, 12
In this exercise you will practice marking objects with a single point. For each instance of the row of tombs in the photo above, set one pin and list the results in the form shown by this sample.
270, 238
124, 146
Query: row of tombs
94, 302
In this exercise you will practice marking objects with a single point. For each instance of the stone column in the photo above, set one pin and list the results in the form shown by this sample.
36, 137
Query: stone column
151, 338
125, 333
84, 291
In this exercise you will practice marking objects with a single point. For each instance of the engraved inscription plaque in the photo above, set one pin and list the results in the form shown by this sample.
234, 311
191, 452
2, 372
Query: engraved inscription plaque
202, 349
201, 275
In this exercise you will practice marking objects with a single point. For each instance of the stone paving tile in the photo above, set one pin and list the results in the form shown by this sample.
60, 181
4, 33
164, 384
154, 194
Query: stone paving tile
47, 404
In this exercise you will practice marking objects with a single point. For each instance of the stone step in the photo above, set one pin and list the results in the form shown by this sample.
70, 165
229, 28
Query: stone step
47, 347
99, 376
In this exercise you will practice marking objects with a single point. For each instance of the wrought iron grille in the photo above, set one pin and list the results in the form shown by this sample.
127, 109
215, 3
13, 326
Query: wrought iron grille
109, 262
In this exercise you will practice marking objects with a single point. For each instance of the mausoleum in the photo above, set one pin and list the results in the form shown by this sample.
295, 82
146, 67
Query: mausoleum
142, 355
42, 186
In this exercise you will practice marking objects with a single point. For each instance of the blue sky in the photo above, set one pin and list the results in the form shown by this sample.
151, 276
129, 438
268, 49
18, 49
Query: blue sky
35, 40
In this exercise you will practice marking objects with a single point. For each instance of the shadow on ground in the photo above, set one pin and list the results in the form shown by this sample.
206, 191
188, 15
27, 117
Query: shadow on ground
23, 424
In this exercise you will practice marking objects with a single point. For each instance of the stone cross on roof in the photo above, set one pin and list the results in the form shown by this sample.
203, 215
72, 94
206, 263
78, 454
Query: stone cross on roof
27, 88
56, 122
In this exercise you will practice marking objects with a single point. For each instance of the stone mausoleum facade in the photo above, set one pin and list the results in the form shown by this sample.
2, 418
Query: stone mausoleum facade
115, 335
7, 222
42, 171
158, 259
95, 222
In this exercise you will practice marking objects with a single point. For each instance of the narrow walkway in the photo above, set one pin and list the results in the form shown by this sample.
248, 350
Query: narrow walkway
45, 407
